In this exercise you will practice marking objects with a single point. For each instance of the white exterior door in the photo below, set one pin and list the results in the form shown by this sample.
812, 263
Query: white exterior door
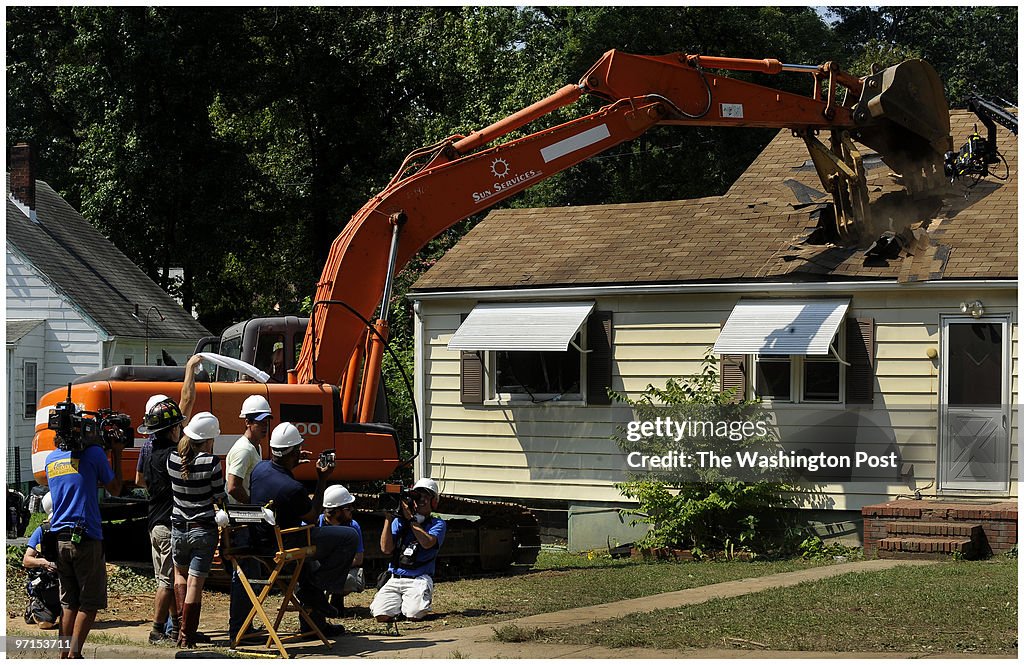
974, 412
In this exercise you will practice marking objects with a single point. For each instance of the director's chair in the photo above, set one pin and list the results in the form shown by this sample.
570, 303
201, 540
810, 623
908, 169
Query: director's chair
281, 567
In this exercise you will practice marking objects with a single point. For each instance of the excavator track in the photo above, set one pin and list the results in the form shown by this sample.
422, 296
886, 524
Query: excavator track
483, 537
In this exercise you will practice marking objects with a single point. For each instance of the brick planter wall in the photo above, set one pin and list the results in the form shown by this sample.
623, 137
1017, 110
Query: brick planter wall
998, 521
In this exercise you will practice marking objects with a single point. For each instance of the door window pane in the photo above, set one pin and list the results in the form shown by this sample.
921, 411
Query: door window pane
975, 364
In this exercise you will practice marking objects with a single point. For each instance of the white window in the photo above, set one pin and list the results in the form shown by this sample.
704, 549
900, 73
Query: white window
794, 344
538, 376
533, 350
31, 388
800, 378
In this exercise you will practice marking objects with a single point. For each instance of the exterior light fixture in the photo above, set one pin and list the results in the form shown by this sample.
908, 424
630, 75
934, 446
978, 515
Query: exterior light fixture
975, 308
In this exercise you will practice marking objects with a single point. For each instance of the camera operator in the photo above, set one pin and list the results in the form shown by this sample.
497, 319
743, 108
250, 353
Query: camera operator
73, 471
272, 480
414, 537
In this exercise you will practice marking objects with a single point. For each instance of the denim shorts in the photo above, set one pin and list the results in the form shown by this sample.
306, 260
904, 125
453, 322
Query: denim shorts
193, 548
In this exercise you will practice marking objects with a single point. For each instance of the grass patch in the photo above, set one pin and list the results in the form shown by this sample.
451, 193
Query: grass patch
561, 581
513, 633
961, 607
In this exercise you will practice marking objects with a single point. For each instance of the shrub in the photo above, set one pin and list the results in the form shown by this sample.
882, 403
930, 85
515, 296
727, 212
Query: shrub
704, 509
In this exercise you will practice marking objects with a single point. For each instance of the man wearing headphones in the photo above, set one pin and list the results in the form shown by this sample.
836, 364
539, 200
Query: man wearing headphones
414, 538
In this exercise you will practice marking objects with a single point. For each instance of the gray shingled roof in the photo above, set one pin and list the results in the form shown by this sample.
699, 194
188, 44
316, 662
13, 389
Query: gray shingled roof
19, 328
92, 272
751, 233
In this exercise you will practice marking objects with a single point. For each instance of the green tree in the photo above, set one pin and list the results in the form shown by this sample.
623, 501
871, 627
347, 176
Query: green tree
970, 47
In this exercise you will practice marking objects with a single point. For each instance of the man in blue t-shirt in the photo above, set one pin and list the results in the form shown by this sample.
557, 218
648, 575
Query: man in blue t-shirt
338, 511
73, 477
414, 537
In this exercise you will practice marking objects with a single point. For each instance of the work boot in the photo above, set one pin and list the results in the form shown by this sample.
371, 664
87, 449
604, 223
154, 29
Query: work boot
156, 633
338, 603
175, 628
189, 624
328, 629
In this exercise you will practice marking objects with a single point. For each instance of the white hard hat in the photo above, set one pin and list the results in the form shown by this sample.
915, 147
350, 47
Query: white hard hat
255, 405
48, 504
204, 425
285, 436
336, 496
154, 400
426, 484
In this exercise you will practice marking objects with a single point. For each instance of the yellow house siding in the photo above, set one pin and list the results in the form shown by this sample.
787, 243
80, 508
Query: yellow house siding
564, 452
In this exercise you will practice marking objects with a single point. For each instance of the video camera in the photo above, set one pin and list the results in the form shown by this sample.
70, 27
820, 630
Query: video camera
77, 430
390, 501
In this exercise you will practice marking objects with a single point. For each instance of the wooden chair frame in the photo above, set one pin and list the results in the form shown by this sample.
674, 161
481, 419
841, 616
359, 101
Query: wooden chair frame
277, 565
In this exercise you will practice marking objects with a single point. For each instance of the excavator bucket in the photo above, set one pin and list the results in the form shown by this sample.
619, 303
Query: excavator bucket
902, 114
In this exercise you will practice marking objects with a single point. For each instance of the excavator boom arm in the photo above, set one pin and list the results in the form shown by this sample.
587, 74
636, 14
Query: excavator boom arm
461, 179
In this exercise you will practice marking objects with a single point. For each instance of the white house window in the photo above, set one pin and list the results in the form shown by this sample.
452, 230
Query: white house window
794, 345
539, 374
773, 378
533, 350
31, 388
800, 378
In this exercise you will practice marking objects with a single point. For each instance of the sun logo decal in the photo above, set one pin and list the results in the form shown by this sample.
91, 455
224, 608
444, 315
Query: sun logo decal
500, 168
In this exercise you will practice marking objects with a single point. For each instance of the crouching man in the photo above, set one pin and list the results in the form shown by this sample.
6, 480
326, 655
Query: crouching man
413, 539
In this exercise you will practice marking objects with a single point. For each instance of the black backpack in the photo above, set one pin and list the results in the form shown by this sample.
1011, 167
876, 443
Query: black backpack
43, 590
43, 587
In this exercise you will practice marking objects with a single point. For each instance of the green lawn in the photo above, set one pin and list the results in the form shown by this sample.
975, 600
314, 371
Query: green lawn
561, 581
557, 581
959, 606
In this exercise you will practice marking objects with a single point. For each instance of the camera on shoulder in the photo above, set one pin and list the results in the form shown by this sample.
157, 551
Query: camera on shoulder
78, 429
390, 501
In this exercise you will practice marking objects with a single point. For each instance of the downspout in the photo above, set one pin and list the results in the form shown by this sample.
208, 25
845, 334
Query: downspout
419, 381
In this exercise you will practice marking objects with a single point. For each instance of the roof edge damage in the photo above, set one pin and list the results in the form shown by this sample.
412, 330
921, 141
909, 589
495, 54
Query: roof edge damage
498, 293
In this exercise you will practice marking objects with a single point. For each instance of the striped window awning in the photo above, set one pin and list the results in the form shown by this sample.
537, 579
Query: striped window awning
782, 327
521, 326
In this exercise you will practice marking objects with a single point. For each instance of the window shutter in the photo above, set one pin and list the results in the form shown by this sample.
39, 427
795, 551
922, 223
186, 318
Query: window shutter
733, 374
471, 376
860, 353
599, 360
471, 386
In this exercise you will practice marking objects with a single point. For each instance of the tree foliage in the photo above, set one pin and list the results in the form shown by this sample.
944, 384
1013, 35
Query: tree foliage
237, 142
701, 507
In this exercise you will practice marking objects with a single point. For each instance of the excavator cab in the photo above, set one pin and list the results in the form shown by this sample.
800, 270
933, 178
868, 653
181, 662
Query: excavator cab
270, 343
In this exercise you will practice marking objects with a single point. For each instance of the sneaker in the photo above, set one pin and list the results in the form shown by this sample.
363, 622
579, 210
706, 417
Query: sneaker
157, 637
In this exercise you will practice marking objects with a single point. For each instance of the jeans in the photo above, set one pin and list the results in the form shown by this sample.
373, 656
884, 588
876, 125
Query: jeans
194, 548
335, 548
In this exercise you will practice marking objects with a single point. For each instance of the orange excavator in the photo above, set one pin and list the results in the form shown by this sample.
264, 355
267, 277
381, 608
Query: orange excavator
325, 371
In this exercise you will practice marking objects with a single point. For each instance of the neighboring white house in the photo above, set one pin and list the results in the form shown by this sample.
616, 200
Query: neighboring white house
926, 330
75, 304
